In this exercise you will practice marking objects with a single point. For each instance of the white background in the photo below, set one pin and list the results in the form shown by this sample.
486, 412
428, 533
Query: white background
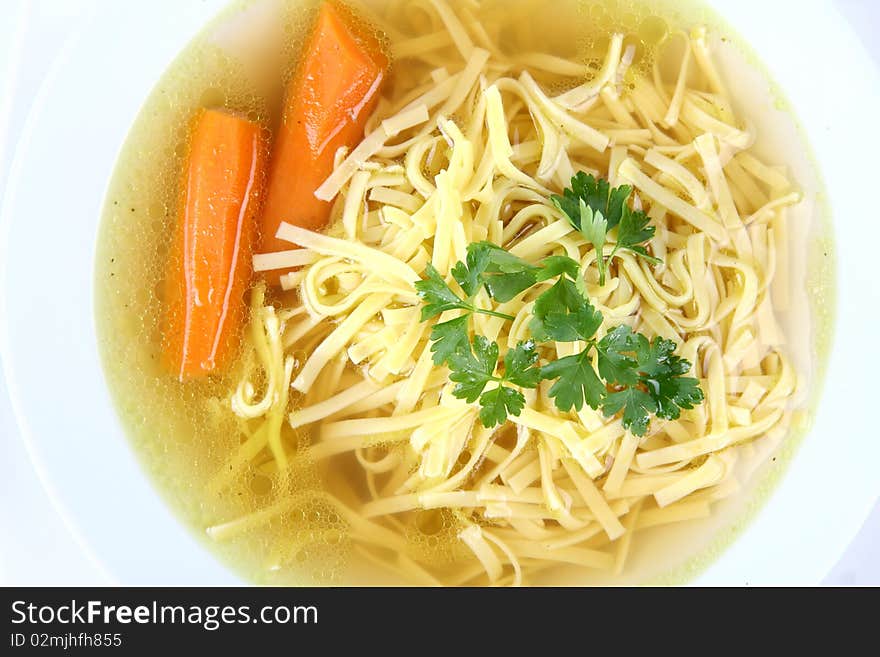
45, 553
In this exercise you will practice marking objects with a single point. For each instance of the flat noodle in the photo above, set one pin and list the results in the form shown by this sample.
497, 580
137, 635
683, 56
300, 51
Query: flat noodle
547, 488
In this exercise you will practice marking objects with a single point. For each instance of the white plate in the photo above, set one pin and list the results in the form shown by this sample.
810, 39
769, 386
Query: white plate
49, 220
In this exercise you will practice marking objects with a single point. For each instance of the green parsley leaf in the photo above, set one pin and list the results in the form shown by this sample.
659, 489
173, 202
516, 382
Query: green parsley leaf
594, 208
633, 229
577, 382
584, 187
563, 314
469, 274
594, 228
616, 207
649, 375
502, 261
675, 393
569, 205
660, 359
597, 194
506, 275
473, 368
486, 352
518, 364
637, 407
660, 373
616, 364
553, 266
448, 338
497, 404
437, 295
504, 287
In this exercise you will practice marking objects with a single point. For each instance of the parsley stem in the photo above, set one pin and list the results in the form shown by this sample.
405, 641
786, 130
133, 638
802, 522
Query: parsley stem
494, 314
603, 262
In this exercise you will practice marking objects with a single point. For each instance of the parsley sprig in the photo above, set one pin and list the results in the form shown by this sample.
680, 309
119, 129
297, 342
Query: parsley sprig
623, 372
503, 274
595, 208
645, 378
473, 368
635, 375
439, 297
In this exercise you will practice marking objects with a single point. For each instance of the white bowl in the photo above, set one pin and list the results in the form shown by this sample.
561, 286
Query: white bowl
49, 220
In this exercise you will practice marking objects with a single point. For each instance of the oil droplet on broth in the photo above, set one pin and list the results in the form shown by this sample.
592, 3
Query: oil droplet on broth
429, 522
653, 29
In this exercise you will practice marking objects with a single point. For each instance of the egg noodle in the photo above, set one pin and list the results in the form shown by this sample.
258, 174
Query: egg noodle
459, 156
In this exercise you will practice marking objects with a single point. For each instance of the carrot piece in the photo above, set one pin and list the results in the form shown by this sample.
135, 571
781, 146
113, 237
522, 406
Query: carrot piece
326, 106
210, 265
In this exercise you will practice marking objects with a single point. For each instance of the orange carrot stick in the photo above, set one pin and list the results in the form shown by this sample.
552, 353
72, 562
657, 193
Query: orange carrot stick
326, 106
210, 265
